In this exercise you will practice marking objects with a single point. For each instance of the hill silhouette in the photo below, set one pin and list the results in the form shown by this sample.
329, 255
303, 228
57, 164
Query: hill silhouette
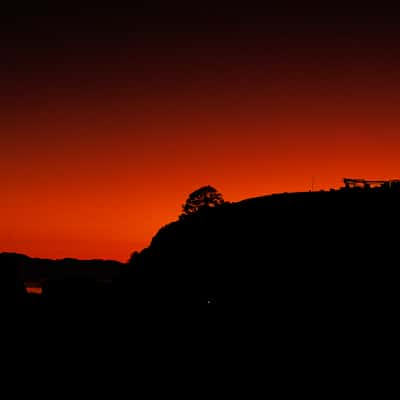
63, 281
36, 270
315, 253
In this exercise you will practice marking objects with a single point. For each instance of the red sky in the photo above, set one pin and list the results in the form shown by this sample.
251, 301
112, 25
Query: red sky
109, 121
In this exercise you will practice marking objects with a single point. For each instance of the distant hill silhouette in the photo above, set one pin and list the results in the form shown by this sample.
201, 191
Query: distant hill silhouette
63, 280
316, 251
36, 270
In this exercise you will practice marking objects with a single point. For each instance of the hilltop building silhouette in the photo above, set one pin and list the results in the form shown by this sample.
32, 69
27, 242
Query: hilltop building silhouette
354, 183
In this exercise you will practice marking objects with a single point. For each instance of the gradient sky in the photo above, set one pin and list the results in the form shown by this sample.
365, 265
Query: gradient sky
110, 118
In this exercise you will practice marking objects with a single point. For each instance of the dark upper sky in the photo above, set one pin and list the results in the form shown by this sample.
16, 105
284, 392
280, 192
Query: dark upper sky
65, 47
54, 43
33, 31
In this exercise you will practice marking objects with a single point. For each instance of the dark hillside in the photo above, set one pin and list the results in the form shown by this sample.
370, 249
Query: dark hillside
315, 249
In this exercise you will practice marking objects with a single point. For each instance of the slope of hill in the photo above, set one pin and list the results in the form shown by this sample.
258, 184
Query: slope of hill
304, 249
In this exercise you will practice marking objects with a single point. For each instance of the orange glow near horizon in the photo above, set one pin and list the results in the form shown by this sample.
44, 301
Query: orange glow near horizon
97, 155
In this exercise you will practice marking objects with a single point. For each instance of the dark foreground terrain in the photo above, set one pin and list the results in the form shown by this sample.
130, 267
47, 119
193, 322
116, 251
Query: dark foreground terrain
314, 253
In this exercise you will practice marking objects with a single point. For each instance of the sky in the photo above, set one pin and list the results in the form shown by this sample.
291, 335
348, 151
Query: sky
110, 117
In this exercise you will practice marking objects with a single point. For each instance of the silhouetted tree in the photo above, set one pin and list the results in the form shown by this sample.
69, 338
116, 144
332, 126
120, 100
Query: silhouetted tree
204, 197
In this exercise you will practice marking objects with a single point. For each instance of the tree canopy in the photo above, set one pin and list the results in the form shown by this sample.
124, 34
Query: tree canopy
202, 198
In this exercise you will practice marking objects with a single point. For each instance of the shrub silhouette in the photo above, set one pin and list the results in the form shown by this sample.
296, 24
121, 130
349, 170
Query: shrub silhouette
202, 198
